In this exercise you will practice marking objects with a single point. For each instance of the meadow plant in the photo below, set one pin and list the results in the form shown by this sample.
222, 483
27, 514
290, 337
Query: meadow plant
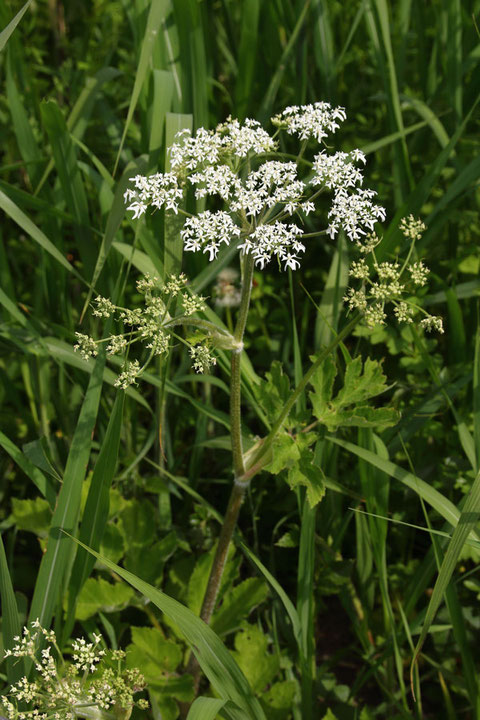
93, 683
264, 197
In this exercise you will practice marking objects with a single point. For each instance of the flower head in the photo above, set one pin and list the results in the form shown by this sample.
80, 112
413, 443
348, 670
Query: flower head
259, 193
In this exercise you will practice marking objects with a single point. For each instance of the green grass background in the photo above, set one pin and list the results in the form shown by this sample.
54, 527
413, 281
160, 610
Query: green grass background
93, 93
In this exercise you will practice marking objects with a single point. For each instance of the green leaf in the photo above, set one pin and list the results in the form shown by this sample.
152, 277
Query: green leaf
136, 523
95, 514
251, 653
32, 515
157, 12
50, 583
349, 407
292, 454
307, 473
237, 605
274, 391
279, 699
285, 453
165, 654
98, 595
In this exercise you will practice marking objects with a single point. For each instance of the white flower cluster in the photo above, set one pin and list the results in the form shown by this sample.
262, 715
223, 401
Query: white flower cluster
227, 162
61, 691
202, 359
207, 231
338, 171
386, 282
272, 184
278, 239
354, 211
317, 120
150, 325
160, 190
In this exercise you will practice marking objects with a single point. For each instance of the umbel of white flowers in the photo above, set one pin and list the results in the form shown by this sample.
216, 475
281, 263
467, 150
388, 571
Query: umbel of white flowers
261, 195
94, 684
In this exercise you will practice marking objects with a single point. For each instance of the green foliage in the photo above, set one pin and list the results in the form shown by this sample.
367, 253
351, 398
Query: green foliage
99, 595
349, 407
91, 95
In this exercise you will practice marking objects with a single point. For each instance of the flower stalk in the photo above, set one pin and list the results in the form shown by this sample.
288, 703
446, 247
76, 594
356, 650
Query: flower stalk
239, 484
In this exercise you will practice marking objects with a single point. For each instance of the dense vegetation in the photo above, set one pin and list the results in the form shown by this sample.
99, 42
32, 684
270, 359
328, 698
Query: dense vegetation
321, 607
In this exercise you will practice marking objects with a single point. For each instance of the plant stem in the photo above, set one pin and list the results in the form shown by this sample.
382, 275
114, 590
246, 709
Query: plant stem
239, 486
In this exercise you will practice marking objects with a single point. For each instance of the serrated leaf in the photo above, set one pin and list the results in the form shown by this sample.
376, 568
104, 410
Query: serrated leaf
251, 654
350, 405
237, 605
279, 699
360, 385
166, 654
285, 453
32, 515
306, 473
100, 595
274, 391
367, 416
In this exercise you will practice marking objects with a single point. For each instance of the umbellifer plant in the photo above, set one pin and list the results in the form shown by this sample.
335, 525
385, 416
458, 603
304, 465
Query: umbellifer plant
266, 197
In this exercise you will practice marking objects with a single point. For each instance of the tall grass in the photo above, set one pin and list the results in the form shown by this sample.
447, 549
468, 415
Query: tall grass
76, 124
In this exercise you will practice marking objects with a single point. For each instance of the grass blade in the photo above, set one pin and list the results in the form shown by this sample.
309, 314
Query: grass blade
43, 482
51, 575
328, 314
205, 708
466, 524
95, 515
306, 605
247, 56
6, 32
19, 217
66, 164
158, 10
434, 498
10, 620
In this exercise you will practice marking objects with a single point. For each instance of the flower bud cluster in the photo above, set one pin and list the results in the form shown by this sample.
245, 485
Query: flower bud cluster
151, 326
259, 193
390, 283
61, 690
